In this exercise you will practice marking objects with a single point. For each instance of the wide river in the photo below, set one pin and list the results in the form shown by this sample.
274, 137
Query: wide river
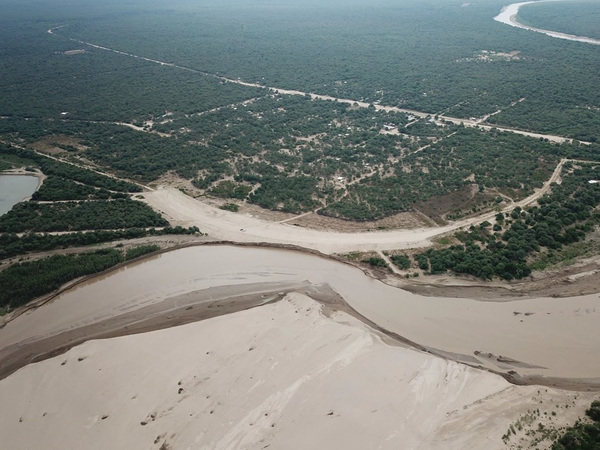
561, 336
14, 189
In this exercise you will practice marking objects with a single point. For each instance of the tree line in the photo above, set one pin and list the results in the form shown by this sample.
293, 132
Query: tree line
78, 216
13, 245
563, 217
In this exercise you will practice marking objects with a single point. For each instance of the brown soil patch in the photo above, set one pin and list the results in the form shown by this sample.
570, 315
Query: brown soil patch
174, 180
57, 144
459, 202
404, 220
256, 211
437, 207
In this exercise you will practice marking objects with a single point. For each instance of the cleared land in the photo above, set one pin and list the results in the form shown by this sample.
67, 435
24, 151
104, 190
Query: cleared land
186, 211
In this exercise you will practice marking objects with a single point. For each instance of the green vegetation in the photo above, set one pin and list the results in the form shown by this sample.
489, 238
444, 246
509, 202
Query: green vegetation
105, 203
9, 161
230, 207
585, 434
23, 282
497, 161
60, 189
287, 152
401, 261
135, 252
431, 63
229, 189
67, 171
580, 18
290, 152
105, 206
77, 216
12, 245
375, 261
561, 219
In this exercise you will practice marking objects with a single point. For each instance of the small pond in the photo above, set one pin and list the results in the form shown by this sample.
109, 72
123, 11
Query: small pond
15, 188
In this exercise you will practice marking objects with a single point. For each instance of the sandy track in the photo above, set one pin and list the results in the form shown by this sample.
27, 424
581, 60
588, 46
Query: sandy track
181, 209
420, 114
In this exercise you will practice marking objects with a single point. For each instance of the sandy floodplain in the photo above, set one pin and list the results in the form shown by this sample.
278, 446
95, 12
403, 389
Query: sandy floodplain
285, 375
181, 209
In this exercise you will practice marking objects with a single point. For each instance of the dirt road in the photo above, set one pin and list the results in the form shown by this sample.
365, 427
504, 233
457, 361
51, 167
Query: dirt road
420, 114
181, 209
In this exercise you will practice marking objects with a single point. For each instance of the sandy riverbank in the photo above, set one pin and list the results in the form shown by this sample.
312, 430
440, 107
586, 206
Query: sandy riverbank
281, 376
509, 13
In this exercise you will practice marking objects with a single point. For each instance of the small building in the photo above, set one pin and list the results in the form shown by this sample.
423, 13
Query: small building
594, 181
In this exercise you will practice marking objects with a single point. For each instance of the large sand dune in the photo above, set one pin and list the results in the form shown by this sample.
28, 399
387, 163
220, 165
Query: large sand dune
279, 376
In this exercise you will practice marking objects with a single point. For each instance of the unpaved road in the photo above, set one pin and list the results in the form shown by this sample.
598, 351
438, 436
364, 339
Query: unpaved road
465, 122
181, 209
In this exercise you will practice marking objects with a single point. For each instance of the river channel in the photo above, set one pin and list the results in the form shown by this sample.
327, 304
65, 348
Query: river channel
542, 336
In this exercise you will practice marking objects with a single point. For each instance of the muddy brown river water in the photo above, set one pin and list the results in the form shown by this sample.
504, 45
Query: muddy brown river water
545, 337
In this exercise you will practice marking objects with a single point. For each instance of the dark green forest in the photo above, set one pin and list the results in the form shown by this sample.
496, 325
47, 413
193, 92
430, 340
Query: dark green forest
580, 18
507, 250
78, 216
12, 245
415, 54
165, 103
72, 199
285, 152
